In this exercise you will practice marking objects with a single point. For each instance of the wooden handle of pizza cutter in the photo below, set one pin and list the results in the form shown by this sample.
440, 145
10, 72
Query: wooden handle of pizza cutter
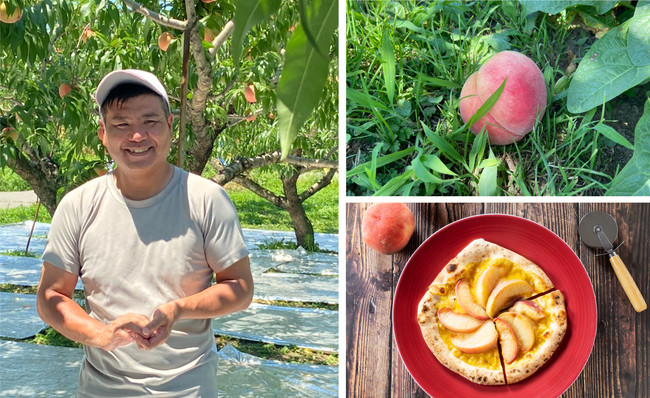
631, 289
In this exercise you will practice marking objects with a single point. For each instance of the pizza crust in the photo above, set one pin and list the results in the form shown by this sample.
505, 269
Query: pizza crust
552, 304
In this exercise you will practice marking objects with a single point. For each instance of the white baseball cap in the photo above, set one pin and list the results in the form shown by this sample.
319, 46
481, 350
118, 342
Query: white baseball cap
117, 77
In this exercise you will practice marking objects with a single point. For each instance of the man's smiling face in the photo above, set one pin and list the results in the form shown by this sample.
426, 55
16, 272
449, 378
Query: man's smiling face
136, 133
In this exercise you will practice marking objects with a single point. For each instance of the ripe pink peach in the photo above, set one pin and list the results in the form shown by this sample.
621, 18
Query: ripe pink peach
387, 227
524, 96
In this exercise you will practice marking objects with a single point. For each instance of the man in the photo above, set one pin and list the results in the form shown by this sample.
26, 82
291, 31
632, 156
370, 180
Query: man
146, 240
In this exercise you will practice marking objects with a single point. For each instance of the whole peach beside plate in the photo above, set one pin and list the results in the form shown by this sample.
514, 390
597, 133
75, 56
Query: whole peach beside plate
387, 227
521, 103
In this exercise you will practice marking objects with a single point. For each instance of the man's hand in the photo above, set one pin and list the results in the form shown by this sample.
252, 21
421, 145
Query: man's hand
157, 331
123, 330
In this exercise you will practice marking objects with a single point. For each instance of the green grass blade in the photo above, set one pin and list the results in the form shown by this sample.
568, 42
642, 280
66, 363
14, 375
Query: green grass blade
382, 161
422, 172
487, 105
478, 148
365, 100
487, 183
613, 135
442, 144
388, 65
395, 184
433, 81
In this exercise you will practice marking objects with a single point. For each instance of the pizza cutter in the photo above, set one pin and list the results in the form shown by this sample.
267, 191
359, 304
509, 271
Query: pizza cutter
598, 230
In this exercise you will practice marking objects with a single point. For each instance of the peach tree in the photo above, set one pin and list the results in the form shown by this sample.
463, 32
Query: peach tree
251, 83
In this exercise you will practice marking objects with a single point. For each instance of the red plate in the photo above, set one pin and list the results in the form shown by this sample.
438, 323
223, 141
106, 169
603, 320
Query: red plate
534, 242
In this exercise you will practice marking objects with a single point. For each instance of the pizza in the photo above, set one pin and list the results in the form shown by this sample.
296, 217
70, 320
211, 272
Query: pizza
492, 316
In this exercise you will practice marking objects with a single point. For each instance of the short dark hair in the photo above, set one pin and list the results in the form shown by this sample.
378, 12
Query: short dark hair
123, 92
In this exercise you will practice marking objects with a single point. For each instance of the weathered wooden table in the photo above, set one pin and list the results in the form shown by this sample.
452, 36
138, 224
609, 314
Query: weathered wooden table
619, 361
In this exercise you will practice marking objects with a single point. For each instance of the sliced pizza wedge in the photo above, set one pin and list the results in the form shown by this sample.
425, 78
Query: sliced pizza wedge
472, 354
539, 326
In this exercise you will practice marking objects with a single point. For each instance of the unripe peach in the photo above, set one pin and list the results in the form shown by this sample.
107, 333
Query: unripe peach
9, 18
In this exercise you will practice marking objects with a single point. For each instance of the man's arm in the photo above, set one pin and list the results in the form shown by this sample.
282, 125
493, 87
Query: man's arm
232, 292
57, 308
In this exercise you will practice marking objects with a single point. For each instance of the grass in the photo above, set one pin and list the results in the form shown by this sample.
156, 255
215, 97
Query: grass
10, 181
255, 212
24, 213
406, 63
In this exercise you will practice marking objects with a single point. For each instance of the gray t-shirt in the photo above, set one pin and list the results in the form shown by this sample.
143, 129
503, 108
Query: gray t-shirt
133, 256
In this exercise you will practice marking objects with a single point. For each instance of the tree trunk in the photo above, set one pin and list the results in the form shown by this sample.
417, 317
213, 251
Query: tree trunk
42, 177
302, 226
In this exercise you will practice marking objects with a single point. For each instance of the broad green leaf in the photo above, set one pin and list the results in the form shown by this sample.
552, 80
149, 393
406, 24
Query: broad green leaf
613, 135
638, 37
487, 183
249, 13
304, 20
388, 65
605, 72
634, 179
305, 73
382, 161
555, 6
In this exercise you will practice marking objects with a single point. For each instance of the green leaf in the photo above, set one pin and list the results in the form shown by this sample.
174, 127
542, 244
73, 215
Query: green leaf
249, 13
437, 82
555, 6
434, 163
442, 144
388, 65
304, 74
395, 184
478, 148
613, 135
638, 37
634, 179
365, 100
382, 161
605, 72
487, 105
422, 172
487, 183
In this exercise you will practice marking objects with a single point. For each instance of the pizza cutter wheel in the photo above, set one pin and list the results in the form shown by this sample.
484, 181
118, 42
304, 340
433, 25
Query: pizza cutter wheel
598, 230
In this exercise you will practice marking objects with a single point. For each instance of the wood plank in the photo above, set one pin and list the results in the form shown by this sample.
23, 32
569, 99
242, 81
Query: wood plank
368, 307
429, 218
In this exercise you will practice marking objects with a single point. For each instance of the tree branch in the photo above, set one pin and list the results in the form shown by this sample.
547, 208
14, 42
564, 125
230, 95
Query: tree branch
221, 37
259, 190
241, 165
322, 183
312, 163
159, 19
238, 167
